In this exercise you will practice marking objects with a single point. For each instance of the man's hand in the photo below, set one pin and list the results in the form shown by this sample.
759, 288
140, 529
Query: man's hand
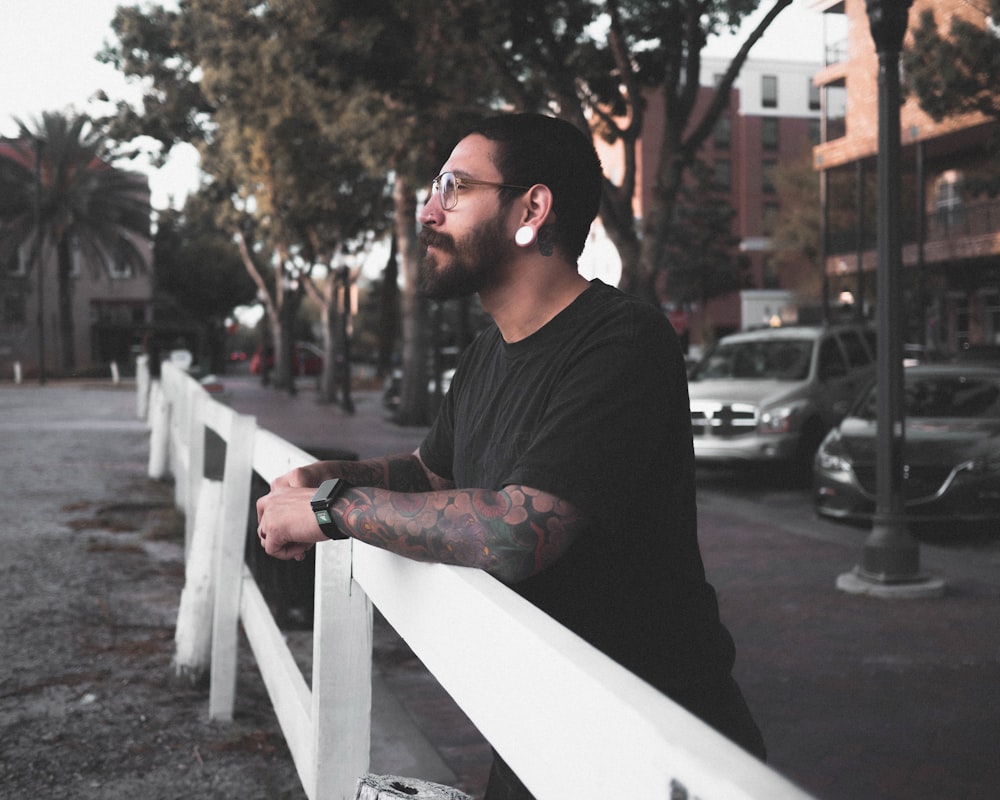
311, 475
286, 525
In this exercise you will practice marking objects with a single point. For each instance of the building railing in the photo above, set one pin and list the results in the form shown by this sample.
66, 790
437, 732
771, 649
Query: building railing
570, 721
947, 224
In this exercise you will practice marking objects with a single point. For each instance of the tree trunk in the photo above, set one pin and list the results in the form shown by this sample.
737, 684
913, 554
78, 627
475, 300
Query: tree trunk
388, 312
66, 333
413, 401
328, 320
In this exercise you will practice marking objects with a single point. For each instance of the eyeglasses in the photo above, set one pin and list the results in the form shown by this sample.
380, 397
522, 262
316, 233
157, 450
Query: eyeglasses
447, 185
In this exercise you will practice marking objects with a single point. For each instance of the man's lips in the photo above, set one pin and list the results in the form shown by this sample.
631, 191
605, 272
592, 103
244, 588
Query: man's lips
438, 241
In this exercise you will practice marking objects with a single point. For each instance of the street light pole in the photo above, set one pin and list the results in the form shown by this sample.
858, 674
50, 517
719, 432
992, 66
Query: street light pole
890, 563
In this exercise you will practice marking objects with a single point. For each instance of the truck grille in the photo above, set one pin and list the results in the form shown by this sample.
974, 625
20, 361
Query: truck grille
723, 420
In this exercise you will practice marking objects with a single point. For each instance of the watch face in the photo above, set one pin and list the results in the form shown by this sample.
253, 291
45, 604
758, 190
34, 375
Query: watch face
323, 517
326, 489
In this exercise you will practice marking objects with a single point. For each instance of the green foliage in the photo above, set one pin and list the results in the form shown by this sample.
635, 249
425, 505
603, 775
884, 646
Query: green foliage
197, 270
955, 72
701, 243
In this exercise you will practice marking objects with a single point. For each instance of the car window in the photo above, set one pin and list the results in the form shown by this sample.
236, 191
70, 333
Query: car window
872, 342
857, 353
784, 359
952, 396
831, 359
944, 397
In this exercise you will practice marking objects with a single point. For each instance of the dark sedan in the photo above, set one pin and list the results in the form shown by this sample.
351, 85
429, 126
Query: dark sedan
951, 453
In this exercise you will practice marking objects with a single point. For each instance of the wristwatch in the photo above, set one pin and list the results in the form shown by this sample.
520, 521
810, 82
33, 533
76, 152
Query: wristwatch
326, 495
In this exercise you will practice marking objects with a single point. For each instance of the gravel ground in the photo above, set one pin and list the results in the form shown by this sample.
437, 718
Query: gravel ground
91, 570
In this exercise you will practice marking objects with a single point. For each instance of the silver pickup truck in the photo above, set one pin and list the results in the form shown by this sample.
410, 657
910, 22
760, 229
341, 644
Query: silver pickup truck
771, 395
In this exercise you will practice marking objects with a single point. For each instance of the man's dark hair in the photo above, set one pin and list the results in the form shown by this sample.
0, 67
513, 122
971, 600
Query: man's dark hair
534, 148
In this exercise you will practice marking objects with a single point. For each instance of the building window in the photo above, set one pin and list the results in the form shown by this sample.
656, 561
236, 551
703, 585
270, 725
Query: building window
991, 318
814, 97
767, 175
835, 113
116, 266
722, 177
12, 312
722, 134
948, 207
770, 218
770, 278
769, 91
769, 133
17, 263
815, 131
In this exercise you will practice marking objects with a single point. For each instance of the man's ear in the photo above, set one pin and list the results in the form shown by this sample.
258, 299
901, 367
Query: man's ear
537, 205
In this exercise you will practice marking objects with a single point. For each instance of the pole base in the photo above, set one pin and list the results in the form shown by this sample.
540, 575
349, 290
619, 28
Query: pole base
919, 586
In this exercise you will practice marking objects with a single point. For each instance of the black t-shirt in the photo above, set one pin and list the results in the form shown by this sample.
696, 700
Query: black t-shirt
593, 408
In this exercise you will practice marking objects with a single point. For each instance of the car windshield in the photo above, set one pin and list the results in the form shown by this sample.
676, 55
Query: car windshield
783, 360
944, 396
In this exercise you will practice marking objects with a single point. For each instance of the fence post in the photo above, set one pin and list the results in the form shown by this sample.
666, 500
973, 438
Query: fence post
183, 393
341, 676
159, 438
193, 636
142, 386
229, 555
194, 435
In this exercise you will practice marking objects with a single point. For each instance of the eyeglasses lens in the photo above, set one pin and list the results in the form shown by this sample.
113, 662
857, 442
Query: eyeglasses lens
448, 188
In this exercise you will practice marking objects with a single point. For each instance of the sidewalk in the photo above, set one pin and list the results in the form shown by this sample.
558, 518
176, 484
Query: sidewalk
858, 698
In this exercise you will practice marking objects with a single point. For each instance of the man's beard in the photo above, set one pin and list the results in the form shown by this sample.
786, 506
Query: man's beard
475, 262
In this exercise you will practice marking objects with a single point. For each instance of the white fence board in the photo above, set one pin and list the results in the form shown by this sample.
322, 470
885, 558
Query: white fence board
282, 677
569, 720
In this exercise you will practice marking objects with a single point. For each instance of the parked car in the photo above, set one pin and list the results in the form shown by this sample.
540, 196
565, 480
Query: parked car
771, 395
951, 449
308, 360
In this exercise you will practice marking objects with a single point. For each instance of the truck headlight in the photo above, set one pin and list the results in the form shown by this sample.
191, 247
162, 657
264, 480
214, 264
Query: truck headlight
776, 420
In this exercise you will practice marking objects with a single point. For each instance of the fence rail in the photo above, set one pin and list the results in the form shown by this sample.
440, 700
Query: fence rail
570, 721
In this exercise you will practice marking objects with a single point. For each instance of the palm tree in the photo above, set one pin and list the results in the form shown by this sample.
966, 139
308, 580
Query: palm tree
57, 190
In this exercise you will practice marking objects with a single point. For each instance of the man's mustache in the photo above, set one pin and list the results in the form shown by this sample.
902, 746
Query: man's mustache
431, 238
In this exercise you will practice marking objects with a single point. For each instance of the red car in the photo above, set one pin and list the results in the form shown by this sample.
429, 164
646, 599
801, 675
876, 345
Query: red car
308, 360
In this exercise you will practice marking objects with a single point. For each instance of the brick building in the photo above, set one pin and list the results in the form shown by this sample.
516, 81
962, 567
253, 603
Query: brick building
951, 240
773, 117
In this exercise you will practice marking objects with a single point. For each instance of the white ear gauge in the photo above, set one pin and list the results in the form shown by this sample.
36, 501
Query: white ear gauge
524, 236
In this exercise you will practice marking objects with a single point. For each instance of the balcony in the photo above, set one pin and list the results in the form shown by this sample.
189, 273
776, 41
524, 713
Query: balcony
958, 233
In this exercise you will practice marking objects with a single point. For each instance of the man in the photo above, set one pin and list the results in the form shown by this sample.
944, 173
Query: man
561, 460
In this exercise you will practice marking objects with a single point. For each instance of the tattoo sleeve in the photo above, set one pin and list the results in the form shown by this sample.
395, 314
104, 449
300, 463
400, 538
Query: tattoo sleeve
512, 533
400, 473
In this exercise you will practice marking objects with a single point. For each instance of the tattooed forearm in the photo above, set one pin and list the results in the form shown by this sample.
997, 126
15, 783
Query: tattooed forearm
513, 533
400, 473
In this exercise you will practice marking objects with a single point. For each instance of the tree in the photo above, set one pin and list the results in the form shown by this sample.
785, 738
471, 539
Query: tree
197, 273
259, 89
84, 205
596, 64
954, 72
700, 246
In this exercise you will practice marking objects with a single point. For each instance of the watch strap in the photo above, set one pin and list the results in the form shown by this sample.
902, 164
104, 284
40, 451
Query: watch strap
326, 495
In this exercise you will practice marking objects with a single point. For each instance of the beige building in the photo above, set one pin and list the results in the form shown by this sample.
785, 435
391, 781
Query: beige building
111, 314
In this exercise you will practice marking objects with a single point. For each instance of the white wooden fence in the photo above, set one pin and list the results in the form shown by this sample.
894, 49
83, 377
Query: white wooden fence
571, 722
